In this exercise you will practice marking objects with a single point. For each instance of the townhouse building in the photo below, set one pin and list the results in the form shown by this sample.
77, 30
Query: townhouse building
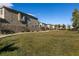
17, 21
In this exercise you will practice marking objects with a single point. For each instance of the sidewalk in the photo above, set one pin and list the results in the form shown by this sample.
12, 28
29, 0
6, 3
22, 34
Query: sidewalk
44, 31
8, 35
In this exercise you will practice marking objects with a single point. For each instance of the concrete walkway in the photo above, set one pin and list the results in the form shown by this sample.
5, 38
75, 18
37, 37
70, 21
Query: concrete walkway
44, 31
8, 35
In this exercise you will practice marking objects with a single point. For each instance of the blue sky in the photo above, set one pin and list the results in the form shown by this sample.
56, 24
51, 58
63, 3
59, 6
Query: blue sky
50, 13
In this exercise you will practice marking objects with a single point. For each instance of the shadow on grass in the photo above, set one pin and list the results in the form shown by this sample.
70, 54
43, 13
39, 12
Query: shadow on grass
8, 48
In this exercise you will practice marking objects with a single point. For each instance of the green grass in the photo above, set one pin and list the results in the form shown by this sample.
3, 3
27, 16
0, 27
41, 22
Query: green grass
53, 43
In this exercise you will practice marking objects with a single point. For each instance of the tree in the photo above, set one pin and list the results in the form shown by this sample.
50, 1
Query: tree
64, 26
59, 26
75, 19
69, 27
55, 26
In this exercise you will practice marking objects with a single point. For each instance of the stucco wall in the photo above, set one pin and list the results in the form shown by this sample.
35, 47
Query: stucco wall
15, 23
33, 24
11, 17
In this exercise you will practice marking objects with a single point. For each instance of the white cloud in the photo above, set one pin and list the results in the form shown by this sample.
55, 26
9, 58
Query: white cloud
6, 4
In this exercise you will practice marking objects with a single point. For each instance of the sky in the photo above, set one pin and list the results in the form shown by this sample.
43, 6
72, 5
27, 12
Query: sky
50, 13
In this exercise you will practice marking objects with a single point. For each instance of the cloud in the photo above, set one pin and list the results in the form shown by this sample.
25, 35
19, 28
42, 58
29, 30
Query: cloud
6, 4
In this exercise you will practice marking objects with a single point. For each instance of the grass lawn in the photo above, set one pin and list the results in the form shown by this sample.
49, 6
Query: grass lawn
53, 43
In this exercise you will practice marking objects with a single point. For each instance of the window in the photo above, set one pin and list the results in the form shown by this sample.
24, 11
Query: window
0, 10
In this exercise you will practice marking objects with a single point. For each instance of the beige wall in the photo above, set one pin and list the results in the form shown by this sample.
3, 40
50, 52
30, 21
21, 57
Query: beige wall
14, 20
11, 17
14, 23
33, 24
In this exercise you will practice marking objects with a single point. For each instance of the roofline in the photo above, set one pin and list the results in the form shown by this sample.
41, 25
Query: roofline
16, 11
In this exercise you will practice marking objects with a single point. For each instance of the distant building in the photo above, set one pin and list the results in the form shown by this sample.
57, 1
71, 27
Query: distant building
42, 26
17, 21
48, 26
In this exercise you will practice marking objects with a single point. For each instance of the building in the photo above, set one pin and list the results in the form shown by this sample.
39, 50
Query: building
17, 21
42, 26
50, 26
53, 27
